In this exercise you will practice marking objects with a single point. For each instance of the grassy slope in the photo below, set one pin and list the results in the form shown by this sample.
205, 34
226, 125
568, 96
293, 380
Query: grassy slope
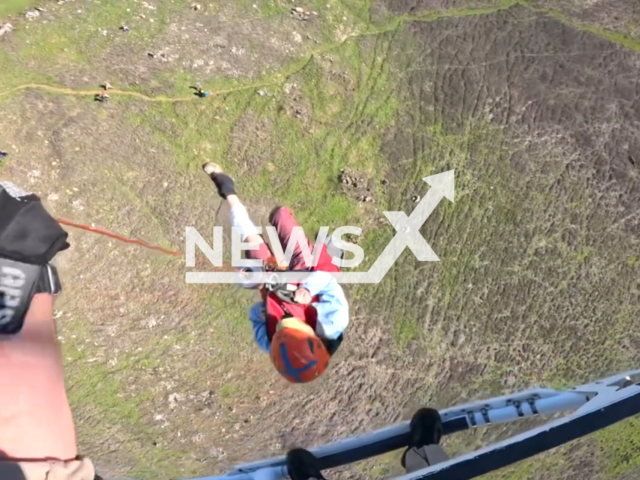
342, 130
11, 7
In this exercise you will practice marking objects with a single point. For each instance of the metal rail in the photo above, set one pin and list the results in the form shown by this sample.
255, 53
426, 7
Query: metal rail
596, 405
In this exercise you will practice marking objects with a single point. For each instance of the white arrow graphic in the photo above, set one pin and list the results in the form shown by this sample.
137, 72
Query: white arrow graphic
408, 232
408, 235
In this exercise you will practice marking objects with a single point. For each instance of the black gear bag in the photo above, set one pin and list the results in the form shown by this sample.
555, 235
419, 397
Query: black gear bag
29, 239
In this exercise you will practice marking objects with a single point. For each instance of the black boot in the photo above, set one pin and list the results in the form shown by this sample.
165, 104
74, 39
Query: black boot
223, 182
303, 465
425, 429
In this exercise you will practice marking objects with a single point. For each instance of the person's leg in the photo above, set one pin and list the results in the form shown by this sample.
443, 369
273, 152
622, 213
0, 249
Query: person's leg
302, 465
424, 447
239, 217
284, 222
248, 233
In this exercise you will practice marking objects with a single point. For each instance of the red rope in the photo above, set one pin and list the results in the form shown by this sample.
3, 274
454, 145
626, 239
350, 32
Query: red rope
107, 233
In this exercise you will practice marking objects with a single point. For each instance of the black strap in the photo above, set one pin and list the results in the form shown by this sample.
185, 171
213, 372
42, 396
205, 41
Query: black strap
19, 282
49, 281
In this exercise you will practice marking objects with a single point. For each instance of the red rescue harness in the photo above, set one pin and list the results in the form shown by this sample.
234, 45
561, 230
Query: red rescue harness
277, 308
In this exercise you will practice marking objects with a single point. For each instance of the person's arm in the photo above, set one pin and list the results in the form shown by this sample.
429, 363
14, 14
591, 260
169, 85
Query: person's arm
259, 324
35, 414
34, 410
333, 309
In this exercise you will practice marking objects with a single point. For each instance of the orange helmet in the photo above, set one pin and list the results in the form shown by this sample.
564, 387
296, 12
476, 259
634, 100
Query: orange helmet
297, 352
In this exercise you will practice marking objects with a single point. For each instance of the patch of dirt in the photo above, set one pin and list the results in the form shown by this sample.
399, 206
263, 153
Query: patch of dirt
227, 44
539, 87
356, 185
221, 42
619, 15
418, 7
629, 475
295, 104
538, 119
337, 74
251, 143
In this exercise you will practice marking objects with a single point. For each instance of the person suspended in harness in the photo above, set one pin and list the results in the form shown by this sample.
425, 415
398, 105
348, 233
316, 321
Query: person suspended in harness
300, 325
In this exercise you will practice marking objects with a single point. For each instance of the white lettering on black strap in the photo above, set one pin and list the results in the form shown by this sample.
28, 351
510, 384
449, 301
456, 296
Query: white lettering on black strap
18, 283
11, 282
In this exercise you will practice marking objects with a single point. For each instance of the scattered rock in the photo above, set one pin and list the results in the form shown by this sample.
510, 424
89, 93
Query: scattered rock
151, 55
161, 55
124, 28
352, 238
6, 28
415, 198
300, 13
356, 185
289, 87
174, 398
385, 182
346, 176
32, 14
216, 452
196, 6
40, 9
296, 105
262, 92
101, 96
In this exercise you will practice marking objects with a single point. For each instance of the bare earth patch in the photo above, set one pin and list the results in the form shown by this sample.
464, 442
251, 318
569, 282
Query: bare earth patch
250, 143
541, 132
622, 16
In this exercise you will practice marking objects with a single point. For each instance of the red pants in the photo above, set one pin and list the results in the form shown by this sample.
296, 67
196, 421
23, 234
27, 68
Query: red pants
283, 221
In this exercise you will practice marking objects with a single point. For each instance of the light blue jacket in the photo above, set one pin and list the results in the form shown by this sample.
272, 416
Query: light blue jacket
333, 310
